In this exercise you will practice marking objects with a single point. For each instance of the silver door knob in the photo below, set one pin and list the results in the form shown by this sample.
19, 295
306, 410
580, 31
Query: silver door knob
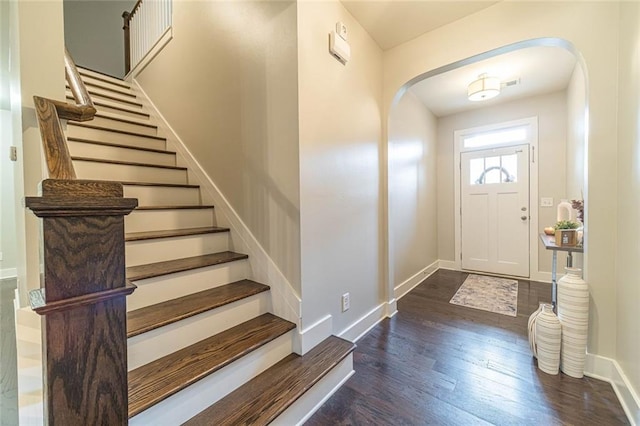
523, 217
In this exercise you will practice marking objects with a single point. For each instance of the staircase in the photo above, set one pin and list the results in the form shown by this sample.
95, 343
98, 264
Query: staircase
203, 345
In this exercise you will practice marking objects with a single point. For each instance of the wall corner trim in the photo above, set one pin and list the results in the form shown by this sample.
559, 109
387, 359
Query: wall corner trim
362, 326
607, 369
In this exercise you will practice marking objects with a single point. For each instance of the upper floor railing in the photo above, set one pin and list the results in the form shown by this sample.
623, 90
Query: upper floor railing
143, 27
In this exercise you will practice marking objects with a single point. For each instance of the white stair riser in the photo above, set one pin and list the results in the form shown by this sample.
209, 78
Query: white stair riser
84, 73
160, 289
108, 108
108, 94
82, 149
187, 403
127, 127
89, 81
163, 195
162, 341
161, 249
304, 407
159, 220
127, 173
113, 137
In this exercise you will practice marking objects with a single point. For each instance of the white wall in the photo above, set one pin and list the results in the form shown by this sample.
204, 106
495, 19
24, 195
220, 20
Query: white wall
412, 188
627, 290
340, 195
576, 110
551, 112
93, 33
227, 84
592, 28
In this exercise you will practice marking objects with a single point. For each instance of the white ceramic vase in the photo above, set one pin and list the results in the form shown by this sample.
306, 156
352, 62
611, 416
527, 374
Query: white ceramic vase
573, 311
548, 332
531, 328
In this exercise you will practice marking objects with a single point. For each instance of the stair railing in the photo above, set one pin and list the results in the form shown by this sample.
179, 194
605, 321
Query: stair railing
143, 27
82, 301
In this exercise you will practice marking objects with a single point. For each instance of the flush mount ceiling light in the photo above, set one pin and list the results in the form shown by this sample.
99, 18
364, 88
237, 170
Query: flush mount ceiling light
484, 88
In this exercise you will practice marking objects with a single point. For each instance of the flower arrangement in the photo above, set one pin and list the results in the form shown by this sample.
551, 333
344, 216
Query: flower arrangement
579, 206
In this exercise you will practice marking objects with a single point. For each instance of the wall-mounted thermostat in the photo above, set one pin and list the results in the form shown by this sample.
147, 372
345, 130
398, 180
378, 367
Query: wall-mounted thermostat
338, 45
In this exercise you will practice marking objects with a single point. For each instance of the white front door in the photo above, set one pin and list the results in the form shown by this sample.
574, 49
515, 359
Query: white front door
495, 210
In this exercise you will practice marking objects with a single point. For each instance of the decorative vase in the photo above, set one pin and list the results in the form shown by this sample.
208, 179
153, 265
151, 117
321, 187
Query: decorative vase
548, 338
573, 311
531, 328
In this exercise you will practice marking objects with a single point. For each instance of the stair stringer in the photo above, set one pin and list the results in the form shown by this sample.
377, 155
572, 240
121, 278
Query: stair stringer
286, 303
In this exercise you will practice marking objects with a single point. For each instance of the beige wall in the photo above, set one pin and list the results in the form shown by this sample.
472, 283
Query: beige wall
93, 33
627, 289
592, 28
339, 167
412, 188
576, 110
227, 84
551, 112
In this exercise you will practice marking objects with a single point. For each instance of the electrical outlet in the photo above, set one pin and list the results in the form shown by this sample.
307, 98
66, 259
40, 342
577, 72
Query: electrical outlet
546, 202
13, 153
346, 302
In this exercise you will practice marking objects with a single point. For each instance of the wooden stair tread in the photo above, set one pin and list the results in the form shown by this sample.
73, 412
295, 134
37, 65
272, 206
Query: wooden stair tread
157, 269
169, 185
119, 145
152, 235
109, 129
109, 89
156, 381
99, 103
266, 396
107, 77
125, 120
155, 316
113, 98
127, 163
177, 207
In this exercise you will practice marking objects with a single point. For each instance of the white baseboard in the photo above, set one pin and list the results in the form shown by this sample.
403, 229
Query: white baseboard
609, 370
359, 328
409, 284
285, 301
448, 264
543, 277
313, 334
8, 273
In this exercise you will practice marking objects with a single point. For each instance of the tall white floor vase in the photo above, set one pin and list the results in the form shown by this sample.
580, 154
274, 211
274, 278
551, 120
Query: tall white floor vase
548, 338
573, 311
531, 329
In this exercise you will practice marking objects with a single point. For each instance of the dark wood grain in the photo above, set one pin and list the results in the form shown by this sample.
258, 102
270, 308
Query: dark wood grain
151, 270
262, 399
118, 145
55, 147
83, 302
171, 233
438, 363
161, 314
162, 378
109, 129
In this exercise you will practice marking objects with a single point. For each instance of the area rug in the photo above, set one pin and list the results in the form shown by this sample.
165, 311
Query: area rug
499, 295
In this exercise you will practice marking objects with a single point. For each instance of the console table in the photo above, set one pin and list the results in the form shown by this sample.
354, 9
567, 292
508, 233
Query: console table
549, 242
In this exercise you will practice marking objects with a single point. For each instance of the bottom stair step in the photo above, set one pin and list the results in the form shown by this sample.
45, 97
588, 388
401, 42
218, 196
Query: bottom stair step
158, 380
262, 399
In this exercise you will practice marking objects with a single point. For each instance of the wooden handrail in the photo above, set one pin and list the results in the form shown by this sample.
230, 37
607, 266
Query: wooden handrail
127, 16
49, 112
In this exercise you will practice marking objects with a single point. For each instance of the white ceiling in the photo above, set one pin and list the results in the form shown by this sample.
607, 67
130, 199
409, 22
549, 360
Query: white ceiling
539, 69
393, 22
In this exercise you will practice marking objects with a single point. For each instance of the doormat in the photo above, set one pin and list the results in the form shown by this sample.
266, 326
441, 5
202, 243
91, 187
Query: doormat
498, 295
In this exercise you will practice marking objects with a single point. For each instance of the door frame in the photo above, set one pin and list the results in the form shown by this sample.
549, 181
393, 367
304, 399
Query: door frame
532, 141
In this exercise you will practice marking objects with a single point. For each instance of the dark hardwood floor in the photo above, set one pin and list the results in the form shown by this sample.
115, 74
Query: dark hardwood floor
435, 363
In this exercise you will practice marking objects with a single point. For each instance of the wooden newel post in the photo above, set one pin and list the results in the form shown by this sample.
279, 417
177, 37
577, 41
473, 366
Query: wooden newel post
126, 16
83, 301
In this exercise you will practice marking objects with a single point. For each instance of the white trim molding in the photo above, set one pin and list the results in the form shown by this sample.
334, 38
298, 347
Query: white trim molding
310, 336
359, 328
286, 303
411, 283
609, 370
8, 273
450, 265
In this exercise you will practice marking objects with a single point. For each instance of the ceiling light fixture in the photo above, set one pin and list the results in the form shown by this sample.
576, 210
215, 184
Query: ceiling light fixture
484, 88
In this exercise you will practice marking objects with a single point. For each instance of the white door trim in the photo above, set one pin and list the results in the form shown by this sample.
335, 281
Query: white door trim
532, 141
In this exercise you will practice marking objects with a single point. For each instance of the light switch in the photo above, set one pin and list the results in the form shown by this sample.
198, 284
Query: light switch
546, 202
